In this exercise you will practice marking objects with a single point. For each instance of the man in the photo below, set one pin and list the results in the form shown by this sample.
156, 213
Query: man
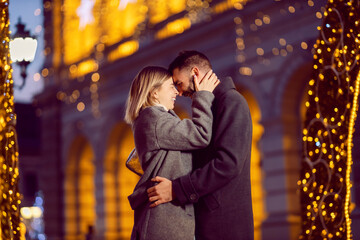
219, 185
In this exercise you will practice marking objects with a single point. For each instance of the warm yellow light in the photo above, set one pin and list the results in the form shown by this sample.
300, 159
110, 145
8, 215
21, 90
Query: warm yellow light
161, 10
83, 68
80, 106
36, 212
349, 156
93, 88
124, 50
275, 51
221, 7
45, 72
266, 19
173, 28
25, 212
258, 22
282, 41
304, 45
238, 5
237, 20
260, 51
245, 71
283, 52
95, 77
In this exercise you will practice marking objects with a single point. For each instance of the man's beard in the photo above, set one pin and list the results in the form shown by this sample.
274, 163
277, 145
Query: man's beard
191, 89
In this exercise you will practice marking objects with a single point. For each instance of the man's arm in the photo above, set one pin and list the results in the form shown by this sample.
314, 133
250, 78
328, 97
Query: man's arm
232, 143
160, 193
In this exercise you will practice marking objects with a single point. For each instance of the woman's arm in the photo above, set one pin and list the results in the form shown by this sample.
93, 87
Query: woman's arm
187, 134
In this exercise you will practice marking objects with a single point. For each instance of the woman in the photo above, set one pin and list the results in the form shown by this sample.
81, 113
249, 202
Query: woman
163, 142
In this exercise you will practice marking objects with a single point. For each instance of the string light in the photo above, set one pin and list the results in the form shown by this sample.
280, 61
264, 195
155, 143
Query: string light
349, 156
9, 172
329, 125
240, 43
258, 23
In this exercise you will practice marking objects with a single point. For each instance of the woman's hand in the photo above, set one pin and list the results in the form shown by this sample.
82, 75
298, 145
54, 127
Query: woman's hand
207, 83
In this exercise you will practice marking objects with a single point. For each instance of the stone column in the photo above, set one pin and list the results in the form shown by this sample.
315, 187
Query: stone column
281, 167
100, 227
50, 173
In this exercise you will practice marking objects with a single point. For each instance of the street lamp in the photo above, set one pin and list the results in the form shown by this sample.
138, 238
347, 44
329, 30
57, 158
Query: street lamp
22, 49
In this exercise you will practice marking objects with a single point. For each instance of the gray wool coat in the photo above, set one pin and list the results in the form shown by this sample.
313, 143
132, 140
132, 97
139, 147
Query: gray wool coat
163, 142
219, 186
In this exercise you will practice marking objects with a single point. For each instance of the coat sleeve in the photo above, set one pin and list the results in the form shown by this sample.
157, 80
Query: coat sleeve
232, 146
187, 134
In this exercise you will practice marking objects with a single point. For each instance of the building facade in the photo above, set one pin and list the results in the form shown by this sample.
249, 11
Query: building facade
91, 59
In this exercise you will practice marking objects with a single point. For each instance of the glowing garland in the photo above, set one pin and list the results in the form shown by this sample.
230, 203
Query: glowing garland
329, 125
349, 156
9, 172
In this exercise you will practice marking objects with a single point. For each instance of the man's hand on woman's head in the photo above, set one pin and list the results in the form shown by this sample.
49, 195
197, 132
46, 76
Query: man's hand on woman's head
160, 193
207, 83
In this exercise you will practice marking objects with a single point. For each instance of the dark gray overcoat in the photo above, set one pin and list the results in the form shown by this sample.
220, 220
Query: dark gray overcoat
163, 142
220, 184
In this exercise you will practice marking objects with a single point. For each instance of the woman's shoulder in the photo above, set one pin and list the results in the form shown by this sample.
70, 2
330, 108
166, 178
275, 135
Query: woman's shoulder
153, 111
150, 115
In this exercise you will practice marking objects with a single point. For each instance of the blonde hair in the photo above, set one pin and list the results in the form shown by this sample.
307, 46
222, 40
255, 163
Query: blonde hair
145, 82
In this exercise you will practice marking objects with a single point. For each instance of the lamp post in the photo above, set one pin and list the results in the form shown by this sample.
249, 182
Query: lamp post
22, 50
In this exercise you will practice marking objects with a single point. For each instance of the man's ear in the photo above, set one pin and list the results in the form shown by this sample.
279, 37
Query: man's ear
195, 71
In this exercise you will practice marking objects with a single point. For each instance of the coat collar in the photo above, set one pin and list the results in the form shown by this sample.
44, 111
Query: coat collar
161, 108
160, 105
225, 85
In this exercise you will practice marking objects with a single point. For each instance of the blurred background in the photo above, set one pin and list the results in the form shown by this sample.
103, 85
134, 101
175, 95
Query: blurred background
73, 142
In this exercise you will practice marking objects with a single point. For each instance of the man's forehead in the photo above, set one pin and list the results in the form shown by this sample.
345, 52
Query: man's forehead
179, 73
176, 71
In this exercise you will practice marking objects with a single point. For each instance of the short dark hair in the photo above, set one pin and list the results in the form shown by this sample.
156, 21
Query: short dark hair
187, 59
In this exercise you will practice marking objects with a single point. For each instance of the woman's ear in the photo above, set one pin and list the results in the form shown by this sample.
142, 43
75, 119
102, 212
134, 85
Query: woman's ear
154, 94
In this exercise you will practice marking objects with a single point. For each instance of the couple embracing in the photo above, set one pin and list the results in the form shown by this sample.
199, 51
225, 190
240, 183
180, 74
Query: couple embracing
196, 180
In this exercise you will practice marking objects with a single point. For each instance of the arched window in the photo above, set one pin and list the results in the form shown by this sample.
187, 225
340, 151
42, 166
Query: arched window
79, 190
119, 182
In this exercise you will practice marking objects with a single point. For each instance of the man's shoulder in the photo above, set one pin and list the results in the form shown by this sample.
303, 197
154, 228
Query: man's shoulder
232, 101
232, 96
